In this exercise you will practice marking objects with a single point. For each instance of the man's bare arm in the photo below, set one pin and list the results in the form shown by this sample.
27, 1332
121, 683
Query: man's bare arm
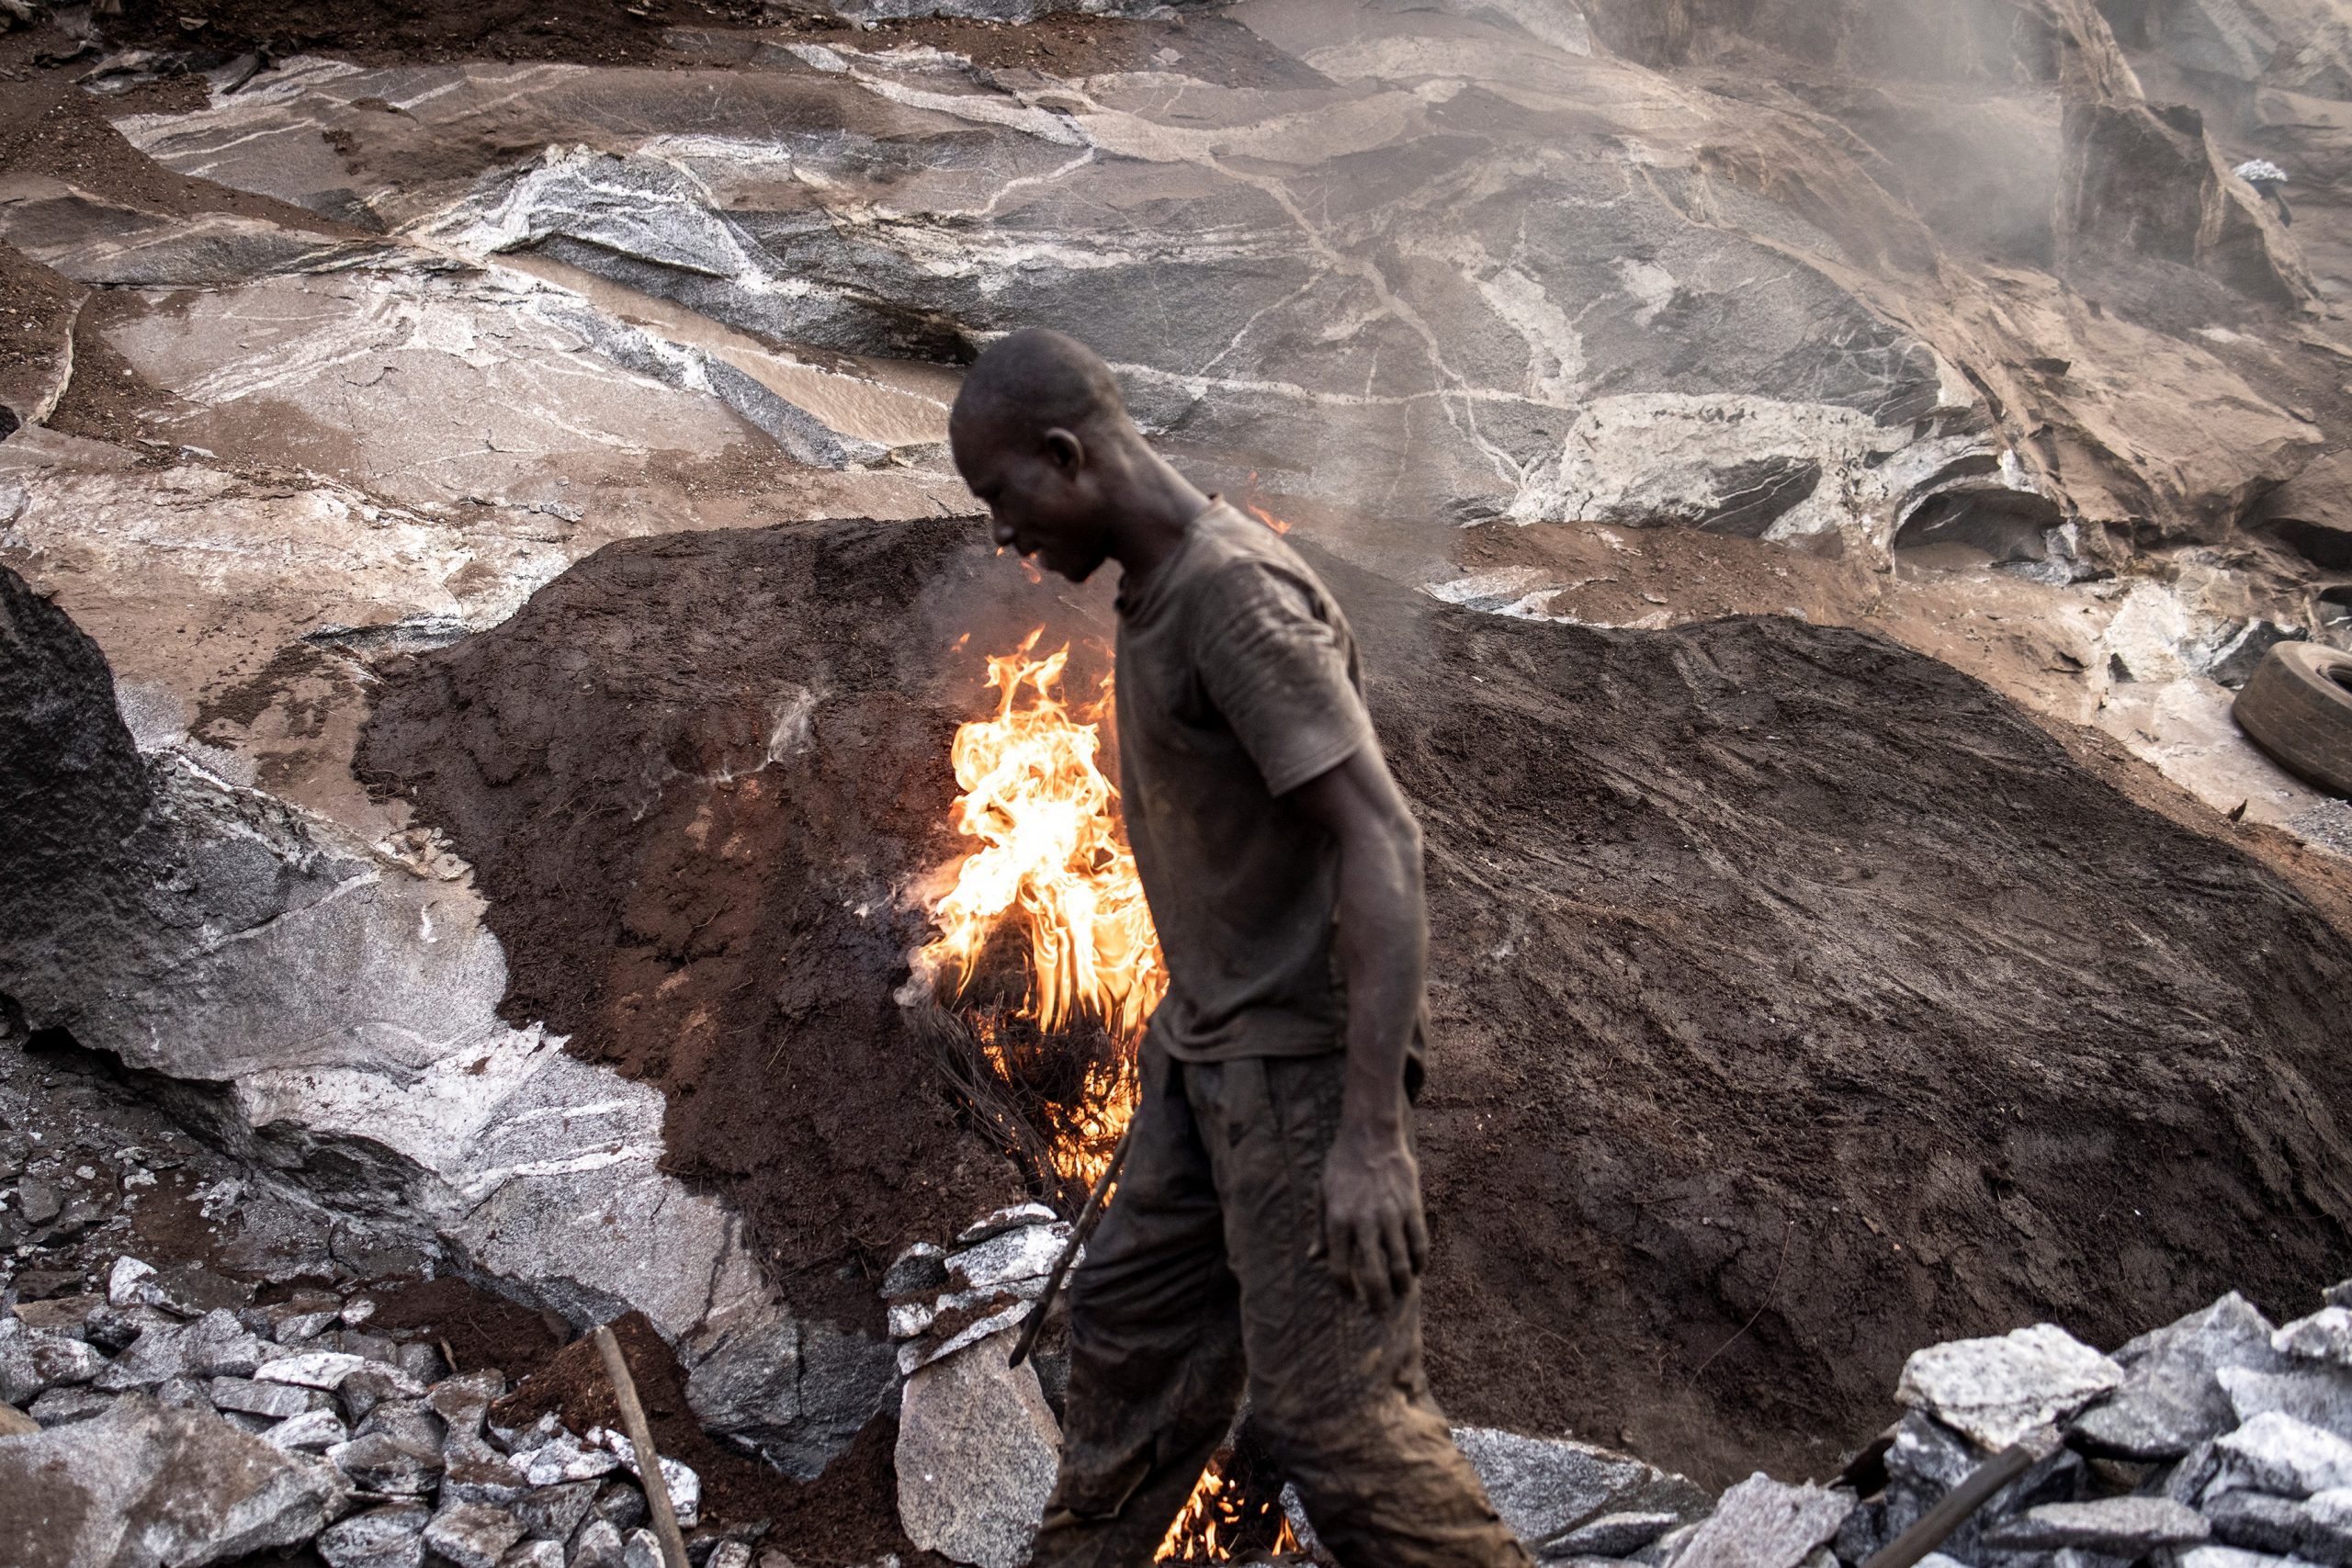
1372, 1226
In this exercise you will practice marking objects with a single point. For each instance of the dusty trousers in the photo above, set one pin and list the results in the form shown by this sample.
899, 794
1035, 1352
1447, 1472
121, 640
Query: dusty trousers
1201, 1281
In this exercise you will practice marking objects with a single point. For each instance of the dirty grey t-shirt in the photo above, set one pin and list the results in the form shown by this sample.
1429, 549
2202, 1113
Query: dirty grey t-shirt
1237, 682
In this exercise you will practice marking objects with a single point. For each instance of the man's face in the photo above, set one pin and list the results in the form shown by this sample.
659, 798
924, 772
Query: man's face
1044, 501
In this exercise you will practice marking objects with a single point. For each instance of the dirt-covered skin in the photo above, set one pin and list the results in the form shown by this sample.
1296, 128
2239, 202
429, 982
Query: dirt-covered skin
1799, 1001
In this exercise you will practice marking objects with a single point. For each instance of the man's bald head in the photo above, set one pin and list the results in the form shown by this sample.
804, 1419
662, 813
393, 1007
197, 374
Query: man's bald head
1033, 381
1041, 437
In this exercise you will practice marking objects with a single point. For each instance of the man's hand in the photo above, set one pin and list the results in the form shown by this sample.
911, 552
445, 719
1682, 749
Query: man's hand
1372, 1229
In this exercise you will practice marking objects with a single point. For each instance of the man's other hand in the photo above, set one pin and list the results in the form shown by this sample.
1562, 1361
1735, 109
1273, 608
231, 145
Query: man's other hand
1373, 1230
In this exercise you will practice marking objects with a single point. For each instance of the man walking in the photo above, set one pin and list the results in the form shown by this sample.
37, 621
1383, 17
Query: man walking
1267, 1229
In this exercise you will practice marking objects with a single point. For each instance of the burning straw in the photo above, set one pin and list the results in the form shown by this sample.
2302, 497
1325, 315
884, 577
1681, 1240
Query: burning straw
1047, 964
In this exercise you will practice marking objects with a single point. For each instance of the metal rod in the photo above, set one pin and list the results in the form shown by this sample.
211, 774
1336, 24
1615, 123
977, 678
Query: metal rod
1079, 1230
1952, 1513
640, 1439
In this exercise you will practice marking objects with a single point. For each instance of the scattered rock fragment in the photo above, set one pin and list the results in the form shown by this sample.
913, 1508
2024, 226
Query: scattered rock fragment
60, 1314
64, 1406
564, 1458
1613, 1535
35, 1360
1764, 1523
598, 1545
311, 1369
555, 1512
185, 1394
127, 1283
2318, 1393
387, 1466
2276, 1453
301, 1326
2325, 1336
2113, 1526
388, 1537
163, 1485
2170, 1399
472, 1472
685, 1485
2316, 1529
372, 1385
2003, 1390
534, 1554
978, 1449
992, 1282
113, 1329
472, 1535
1543, 1486
37, 1201
314, 1431
621, 1503
272, 1401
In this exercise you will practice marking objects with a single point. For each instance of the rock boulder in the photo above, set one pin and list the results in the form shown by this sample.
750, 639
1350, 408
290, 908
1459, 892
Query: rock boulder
978, 1450
145, 1486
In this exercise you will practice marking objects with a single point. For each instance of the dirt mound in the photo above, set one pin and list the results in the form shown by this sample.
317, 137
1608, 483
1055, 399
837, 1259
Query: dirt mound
1799, 1002
693, 781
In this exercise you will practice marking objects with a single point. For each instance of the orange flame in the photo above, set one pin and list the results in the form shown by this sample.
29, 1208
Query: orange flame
1054, 863
1214, 1515
1278, 525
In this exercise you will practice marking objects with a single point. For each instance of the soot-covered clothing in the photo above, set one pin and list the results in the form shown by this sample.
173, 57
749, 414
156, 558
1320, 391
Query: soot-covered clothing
1205, 1281
1237, 682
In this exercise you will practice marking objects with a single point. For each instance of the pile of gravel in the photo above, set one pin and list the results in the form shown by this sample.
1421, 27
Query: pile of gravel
185, 1434
2217, 1441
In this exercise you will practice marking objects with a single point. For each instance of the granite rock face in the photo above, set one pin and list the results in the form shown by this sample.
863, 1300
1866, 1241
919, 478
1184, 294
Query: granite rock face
978, 1449
353, 1010
794, 1393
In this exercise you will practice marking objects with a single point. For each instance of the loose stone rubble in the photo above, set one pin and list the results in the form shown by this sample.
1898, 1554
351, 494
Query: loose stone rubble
2215, 1441
195, 1439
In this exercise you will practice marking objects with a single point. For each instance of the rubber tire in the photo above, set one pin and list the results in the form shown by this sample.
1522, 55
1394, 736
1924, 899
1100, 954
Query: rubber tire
2298, 707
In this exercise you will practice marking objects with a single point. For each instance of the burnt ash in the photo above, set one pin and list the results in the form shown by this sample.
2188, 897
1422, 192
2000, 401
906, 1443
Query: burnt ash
1799, 1002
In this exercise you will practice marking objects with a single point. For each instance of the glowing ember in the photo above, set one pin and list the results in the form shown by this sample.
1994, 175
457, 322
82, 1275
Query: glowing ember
1279, 526
1220, 1519
1054, 869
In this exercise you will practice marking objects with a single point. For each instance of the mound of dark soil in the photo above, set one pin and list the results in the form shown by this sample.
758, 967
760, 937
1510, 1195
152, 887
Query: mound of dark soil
1799, 1002
693, 783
